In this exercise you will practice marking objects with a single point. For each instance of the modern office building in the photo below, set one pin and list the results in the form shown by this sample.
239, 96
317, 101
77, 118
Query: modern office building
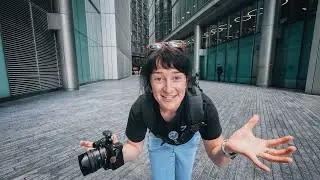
140, 30
50, 44
265, 43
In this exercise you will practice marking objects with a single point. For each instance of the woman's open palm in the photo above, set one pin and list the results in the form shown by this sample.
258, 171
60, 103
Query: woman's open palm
244, 142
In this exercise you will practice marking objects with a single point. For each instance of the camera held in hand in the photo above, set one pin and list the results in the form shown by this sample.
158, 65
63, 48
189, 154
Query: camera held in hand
105, 154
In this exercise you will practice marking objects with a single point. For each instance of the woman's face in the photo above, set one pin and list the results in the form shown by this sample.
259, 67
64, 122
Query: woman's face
168, 87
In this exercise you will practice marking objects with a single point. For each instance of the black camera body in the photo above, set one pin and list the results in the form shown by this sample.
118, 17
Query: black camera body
105, 154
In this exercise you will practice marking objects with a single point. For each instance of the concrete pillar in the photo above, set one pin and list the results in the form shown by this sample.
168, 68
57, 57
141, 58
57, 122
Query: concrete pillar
67, 47
268, 42
313, 77
197, 41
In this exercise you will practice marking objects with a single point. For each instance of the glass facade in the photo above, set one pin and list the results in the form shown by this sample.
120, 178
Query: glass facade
140, 30
88, 37
190, 48
233, 42
170, 14
94, 33
294, 43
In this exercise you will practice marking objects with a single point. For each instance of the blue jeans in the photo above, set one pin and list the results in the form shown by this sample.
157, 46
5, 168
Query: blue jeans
170, 161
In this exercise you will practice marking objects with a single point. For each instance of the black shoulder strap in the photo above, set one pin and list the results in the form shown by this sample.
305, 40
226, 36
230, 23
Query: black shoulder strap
196, 106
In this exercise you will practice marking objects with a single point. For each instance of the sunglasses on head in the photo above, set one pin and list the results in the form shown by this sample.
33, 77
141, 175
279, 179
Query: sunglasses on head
173, 43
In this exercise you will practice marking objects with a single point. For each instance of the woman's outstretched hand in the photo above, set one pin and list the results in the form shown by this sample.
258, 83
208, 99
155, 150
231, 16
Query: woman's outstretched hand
244, 142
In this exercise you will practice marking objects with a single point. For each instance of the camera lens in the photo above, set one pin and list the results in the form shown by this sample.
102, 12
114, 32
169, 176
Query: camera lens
92, 160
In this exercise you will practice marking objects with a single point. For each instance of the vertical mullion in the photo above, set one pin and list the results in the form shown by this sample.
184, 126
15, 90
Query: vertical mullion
226, 49
240, 36
34, 41
254, 41
216, 54
57, 59
241, 21
257, 17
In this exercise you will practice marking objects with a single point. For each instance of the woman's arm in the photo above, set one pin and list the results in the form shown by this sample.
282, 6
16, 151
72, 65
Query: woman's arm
244, 142
131, 150
213, 149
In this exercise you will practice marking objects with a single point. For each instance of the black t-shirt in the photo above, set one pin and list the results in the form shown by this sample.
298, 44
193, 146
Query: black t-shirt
137, 126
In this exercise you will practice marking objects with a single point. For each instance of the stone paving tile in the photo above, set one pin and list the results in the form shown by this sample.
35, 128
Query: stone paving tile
40, 135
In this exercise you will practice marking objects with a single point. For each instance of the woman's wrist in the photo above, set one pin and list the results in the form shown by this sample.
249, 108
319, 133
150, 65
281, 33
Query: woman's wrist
227, 148
227, 151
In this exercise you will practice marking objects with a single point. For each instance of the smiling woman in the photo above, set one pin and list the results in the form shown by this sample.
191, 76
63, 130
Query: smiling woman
168, 87
177, 115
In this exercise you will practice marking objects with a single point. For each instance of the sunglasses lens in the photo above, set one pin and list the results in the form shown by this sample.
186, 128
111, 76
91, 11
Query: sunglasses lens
155, 46
175, 43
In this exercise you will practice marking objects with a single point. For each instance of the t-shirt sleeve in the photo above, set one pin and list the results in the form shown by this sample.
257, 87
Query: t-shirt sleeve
136, 128
213, 128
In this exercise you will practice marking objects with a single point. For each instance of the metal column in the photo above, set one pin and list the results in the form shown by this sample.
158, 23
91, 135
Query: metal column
268, 42
313, 77
67, 47
197, 36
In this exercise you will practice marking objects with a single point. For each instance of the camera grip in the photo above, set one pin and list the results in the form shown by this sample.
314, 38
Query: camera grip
116, 156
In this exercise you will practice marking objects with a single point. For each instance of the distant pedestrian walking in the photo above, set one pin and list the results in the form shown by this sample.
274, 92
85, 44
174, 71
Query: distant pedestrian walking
219, 72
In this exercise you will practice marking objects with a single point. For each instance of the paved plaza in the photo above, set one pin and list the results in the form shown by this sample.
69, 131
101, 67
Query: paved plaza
40, 135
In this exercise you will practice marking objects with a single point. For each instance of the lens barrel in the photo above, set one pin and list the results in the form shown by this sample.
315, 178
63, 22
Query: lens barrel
92, 160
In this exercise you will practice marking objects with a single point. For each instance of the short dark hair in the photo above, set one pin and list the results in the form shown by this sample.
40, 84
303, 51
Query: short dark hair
170, 58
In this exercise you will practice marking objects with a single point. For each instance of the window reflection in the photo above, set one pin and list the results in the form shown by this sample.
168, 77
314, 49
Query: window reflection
213, 34
188, 8
249, 20
234, 31
189, 43
223, 30
204, 38
183, 11
313, 4
294, 10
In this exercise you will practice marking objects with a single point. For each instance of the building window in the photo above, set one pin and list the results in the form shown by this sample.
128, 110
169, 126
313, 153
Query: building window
204, 38
223, 30
294, 10
234, 31
249, 20
313, 4
213, 35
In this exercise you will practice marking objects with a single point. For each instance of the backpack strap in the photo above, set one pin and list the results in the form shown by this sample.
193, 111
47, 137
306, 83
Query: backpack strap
196, 113
196, 109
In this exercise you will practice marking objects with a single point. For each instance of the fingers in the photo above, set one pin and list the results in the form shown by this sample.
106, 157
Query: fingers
279, 141
114, 138
283, 152
257, 162
87, 144
279, 159
252, 122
